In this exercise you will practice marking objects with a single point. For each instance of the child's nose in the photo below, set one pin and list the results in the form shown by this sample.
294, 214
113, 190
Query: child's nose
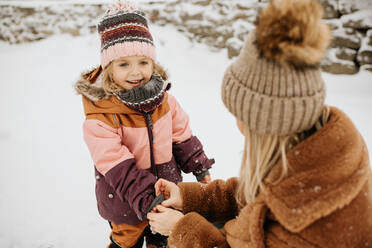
135, 70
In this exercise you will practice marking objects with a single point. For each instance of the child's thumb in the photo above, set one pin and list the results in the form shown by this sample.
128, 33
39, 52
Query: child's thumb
167, 203
161, 208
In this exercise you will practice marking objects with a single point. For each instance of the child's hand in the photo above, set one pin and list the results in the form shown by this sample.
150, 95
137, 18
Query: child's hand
171, 193
206, 179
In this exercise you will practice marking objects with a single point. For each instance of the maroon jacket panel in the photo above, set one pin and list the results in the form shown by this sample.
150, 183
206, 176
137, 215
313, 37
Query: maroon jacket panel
125, 192
191, 157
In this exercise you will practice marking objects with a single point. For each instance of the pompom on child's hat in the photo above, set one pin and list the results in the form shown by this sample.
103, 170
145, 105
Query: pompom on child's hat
275, 85
124, 32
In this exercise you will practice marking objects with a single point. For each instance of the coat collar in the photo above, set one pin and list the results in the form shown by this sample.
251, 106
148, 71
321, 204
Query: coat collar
96, 100
326, 172
90, 85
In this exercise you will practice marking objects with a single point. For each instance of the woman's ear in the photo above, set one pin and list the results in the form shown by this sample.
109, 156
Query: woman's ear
240, 126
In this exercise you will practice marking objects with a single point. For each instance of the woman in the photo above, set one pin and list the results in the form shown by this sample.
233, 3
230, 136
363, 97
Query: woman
305, 178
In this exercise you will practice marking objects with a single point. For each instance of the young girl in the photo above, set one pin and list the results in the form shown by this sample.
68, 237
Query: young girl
305, 178
135, 131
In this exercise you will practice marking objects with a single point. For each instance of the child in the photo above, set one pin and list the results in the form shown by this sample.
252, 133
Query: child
135, 131
305, 178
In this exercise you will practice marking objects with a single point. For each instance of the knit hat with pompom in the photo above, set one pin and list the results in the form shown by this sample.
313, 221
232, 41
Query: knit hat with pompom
124, 32
275, 85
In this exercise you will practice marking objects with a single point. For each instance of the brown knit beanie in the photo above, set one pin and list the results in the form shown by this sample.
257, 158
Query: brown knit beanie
275, 84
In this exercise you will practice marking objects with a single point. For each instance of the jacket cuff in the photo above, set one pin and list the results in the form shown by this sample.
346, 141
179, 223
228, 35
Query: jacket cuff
144, 203
133, 185
206, 165
203, 233
158, 200
214, 201
193, 196
191, 156
200, 176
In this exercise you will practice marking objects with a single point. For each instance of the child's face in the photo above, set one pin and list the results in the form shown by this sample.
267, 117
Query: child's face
132, 71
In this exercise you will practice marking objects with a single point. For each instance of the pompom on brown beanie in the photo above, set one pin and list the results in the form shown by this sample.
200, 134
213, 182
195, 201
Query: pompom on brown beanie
275, 84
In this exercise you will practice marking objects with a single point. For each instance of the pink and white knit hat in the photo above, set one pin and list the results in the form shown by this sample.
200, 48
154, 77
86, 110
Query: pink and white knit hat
124, 32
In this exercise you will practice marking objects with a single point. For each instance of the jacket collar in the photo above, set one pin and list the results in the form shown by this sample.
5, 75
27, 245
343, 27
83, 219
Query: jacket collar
326, 172
96, 100
90, 85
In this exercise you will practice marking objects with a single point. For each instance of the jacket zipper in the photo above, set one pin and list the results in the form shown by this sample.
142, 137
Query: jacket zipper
150, 126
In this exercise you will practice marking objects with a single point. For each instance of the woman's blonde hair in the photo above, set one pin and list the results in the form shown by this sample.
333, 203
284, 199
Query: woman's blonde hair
261, 153
111, 87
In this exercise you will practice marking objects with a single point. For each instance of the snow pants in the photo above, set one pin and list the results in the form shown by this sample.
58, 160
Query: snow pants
133, 236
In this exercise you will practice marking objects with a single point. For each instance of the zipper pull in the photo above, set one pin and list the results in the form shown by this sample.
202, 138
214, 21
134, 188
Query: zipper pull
149, 121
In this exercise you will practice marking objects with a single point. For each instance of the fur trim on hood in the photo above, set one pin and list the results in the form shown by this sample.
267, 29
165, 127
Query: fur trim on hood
90, 84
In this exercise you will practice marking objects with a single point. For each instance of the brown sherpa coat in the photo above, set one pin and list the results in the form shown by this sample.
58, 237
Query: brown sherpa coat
324, 201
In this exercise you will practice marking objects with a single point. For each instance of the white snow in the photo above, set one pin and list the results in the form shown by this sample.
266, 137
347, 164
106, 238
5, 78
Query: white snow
47, 182
235, 43
349, 6
366, 44
333, 4
363, 18
332, 58
347, 34
317, 188
57, 2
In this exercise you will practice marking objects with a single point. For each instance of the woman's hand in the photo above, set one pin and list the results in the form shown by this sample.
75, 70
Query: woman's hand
171, 193
163, 220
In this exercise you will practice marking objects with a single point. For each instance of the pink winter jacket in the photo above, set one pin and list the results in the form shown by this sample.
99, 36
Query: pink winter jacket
130, 153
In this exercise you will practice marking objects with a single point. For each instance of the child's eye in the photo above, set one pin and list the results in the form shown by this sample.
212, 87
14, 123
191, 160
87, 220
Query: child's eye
124, 64
144, 62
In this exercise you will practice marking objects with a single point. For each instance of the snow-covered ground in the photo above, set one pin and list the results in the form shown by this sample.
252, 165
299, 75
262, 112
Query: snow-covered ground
47, 184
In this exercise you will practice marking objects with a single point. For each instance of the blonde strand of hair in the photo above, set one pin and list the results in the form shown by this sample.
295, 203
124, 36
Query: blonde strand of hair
262, 153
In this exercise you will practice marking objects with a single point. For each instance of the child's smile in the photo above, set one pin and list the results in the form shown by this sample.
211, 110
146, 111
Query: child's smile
135, 83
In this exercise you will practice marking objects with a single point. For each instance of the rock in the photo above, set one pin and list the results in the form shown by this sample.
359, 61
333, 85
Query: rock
365, 52
242, 6
27, 11
241, 16
233, 47
219, 24
345, 37
220, 42
333, 24
330, 9
359, 20
154, 15
196, 16
364, 57
74, 31
366, 68
202, 2
340, 68
203, 31
214, 17
350, 6
334, 65
346, 53
368, 38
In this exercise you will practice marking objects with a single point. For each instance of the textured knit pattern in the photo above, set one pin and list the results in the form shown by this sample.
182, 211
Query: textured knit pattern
271, 98
275, 87
124, 32
144, 98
